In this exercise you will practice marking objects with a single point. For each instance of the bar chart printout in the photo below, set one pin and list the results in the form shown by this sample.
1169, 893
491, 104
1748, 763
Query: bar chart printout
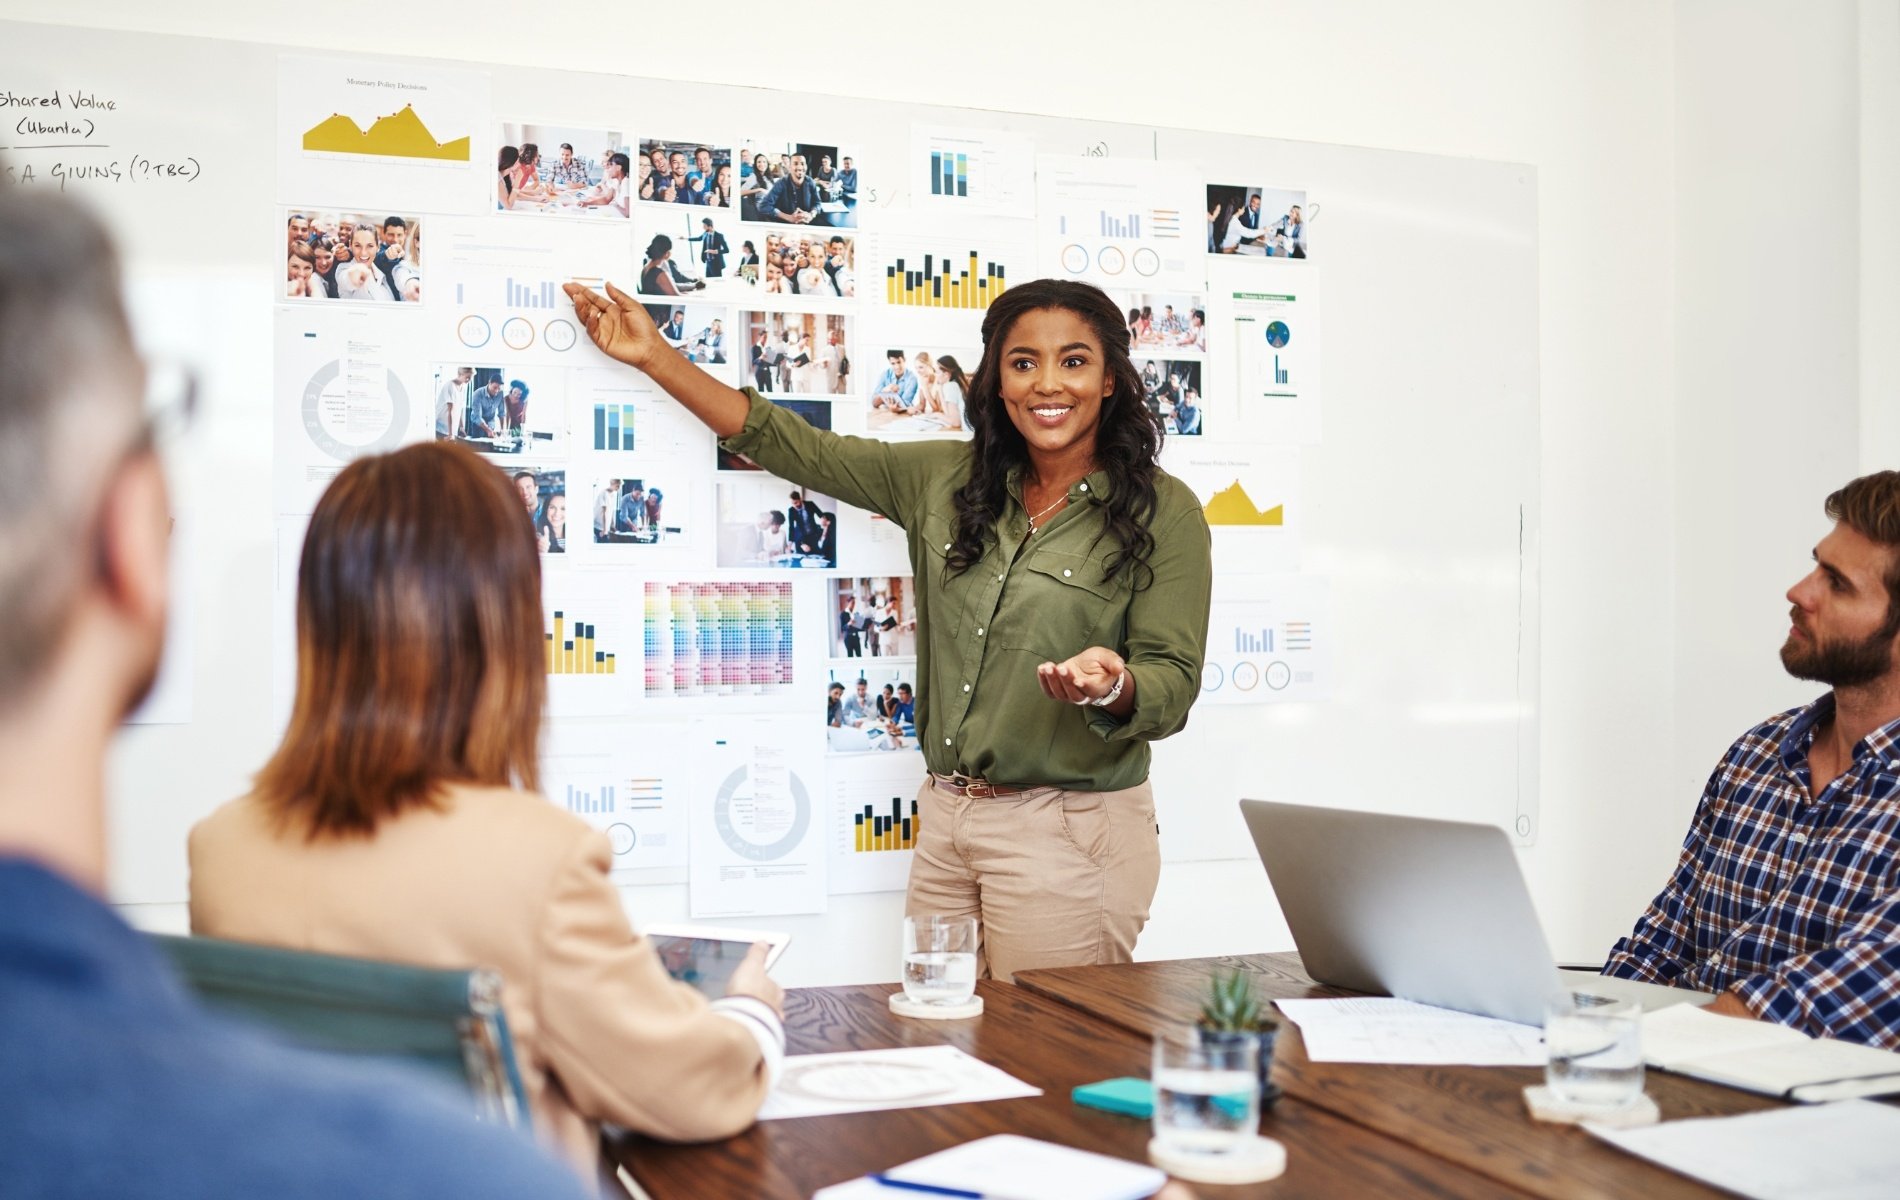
571, 649
893, 829
940, 281
613, 427
597, 800
949, 173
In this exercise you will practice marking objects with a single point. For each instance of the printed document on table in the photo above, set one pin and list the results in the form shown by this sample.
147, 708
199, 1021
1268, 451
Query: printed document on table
1006, 1166
1374, 1029
822, 1085
1844, 1151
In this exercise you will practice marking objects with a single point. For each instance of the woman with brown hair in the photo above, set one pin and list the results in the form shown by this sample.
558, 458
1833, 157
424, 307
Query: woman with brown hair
398, 819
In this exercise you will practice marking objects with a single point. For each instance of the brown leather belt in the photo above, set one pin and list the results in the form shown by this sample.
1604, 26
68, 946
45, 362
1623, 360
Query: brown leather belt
975, 789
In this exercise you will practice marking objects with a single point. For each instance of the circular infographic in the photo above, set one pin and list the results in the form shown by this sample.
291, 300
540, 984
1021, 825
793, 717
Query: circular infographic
559, 334
737, 839
325, 433
1111, 260
1146, 261
1279, 675
859, 1081
1278, 334
517, 333
1075, 260
473, 331
1212, 677
622, 836
1246, 676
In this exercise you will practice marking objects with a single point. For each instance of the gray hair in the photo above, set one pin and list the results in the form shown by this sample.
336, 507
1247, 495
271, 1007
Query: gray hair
62, 324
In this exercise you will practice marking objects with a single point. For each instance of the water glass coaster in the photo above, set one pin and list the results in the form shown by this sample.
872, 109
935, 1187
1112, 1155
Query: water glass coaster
1257, 1160
903, 1006
1545, 1106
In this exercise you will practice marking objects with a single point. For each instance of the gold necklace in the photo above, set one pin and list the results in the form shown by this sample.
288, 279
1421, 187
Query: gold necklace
1045, 512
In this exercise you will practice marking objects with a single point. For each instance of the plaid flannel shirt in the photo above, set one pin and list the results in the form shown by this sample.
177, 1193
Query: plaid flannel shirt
1790, 901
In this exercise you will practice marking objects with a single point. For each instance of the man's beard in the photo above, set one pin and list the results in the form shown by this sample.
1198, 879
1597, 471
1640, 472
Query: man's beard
1839, 664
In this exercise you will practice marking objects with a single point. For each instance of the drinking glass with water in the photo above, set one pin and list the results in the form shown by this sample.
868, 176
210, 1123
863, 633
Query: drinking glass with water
1207, 1095
1596, 1050
939, 959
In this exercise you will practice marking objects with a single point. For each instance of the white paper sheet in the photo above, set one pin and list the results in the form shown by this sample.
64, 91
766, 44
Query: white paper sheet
757, 843
1845, 1151
1007, 1166
819, 1085
1379, 1030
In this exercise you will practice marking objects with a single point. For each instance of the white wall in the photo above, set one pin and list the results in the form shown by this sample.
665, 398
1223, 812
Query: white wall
1659, 610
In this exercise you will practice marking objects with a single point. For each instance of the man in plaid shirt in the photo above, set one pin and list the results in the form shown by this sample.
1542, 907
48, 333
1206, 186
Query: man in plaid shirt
1786, 900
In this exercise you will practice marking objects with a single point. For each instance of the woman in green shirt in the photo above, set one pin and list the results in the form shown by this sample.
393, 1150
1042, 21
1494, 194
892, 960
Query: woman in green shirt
1062, 583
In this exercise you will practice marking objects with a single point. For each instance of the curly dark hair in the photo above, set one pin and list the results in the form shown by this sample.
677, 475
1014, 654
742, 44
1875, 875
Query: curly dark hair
1127, 440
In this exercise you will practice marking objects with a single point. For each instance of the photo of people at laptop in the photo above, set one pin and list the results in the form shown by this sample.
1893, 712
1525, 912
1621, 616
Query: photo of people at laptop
354, 257
873, 708
1257, 222
560, 170
633, 512
798, 183
1172, 391
765, 522
922, 390
697, 331
495, 410
1172, 323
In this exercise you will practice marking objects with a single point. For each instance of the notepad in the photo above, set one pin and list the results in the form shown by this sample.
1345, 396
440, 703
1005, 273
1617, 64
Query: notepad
1846, 1151
1009, 1167
1761, 1056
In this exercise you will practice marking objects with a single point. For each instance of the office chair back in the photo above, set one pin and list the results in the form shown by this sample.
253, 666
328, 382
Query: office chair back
450, 1024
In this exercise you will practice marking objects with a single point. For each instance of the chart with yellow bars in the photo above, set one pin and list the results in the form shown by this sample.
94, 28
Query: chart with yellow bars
571, 649
941, 281
873, 831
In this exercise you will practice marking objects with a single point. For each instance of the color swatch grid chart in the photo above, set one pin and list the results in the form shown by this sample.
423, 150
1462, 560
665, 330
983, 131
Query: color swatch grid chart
718, 639
896, 830
571, 649
613, 426
944, 282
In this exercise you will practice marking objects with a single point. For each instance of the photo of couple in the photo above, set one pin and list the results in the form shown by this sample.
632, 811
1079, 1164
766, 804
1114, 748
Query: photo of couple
1262, 222
544, 494
355, 257
539, 170
798, 183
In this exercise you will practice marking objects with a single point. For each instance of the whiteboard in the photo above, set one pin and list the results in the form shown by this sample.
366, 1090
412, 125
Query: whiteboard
1420, 500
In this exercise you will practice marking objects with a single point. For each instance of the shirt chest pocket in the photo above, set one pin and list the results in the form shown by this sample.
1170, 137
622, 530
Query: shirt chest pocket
1058, 604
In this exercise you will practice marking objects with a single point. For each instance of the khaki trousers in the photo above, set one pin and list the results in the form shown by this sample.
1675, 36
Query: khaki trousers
1055, 878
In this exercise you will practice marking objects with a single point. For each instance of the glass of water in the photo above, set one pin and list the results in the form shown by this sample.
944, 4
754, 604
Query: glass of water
1596, 1050
939, 959
1207, 1095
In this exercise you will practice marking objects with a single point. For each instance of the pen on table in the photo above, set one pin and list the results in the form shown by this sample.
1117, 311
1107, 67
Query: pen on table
929, 1188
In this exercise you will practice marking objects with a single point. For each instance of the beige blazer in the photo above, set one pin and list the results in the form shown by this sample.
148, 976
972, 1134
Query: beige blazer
502, 879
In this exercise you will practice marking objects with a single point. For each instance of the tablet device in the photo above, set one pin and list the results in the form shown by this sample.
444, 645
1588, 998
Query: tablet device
705, 956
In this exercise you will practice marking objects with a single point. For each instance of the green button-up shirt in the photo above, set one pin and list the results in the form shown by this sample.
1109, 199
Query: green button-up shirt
982, 633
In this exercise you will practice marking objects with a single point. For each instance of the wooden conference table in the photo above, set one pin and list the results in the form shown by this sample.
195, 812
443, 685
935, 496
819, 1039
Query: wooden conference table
1471, 1116
1044, 1042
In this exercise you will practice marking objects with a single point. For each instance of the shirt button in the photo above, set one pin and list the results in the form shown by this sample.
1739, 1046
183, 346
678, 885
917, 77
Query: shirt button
979, 633
1715, 960
1000, 578
946, 741
1799, 839
1085, 487
966, 687
946, 547
1066, 572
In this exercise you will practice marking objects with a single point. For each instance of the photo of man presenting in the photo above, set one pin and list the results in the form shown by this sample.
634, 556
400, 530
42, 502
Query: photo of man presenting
1784, 899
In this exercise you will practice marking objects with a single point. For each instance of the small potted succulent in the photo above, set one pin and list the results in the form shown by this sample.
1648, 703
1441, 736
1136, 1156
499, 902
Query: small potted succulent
1231, 1014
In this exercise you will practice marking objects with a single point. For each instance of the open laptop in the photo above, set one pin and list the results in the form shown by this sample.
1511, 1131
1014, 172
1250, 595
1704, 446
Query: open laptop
1432, 911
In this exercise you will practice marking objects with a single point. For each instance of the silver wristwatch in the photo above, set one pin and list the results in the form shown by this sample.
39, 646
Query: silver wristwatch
1111, 695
